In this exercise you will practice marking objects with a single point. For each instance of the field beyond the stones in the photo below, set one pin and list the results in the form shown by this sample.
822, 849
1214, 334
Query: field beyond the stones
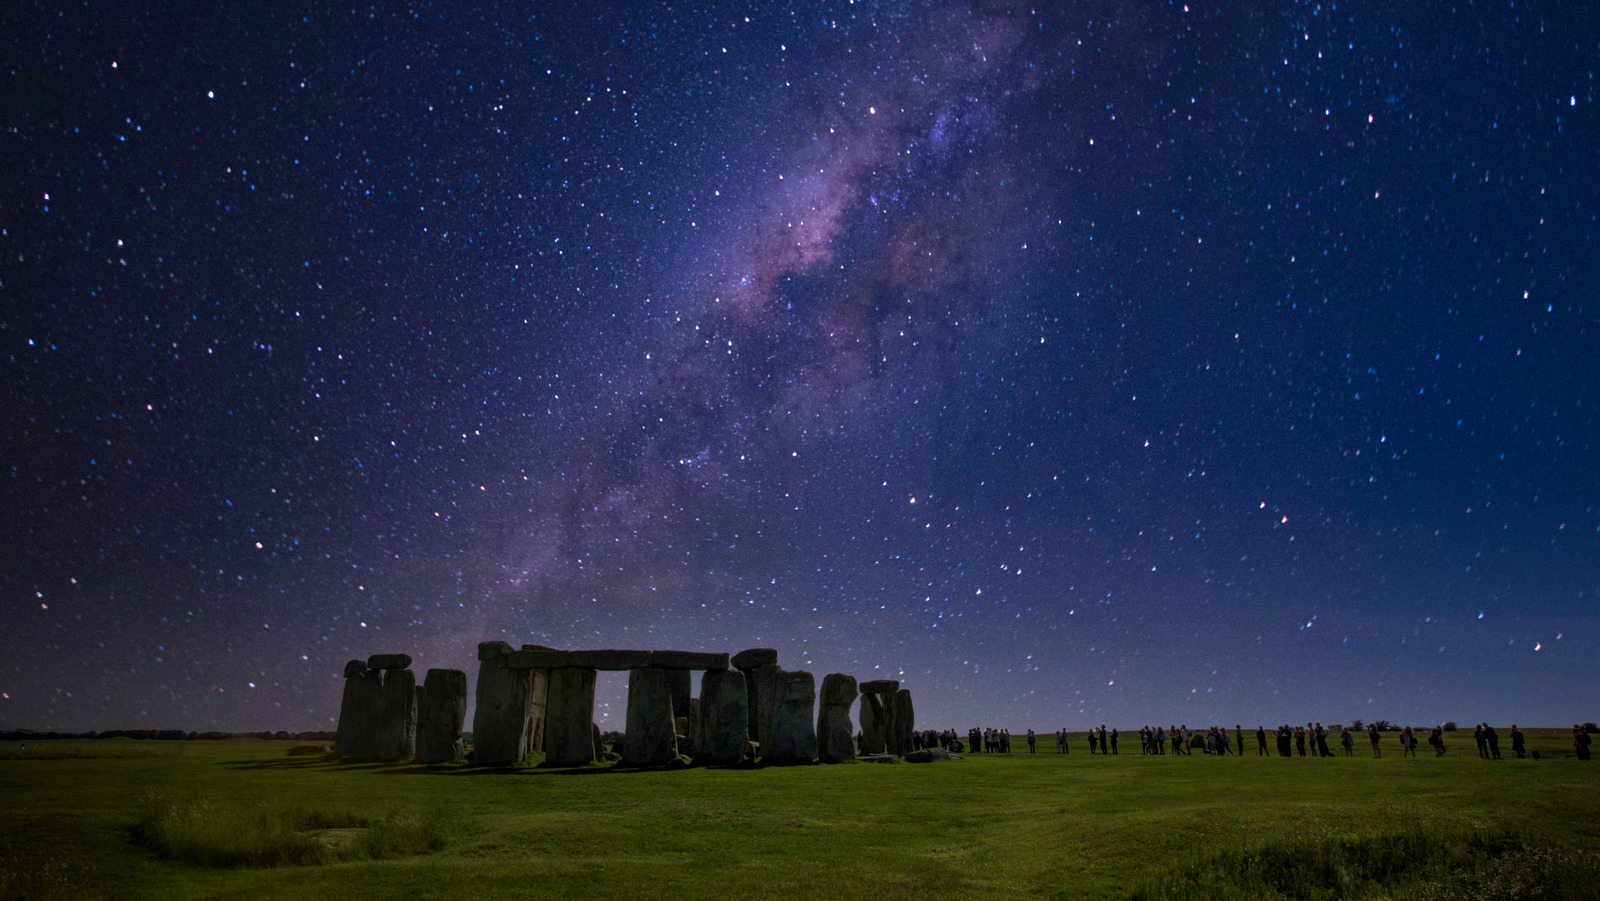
248, 819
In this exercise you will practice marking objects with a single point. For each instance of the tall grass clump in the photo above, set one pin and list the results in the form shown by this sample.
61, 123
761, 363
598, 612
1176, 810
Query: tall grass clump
33, 878
204, 833
1413, 864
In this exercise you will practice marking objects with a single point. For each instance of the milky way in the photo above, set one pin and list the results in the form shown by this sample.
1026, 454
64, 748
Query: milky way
1073, 363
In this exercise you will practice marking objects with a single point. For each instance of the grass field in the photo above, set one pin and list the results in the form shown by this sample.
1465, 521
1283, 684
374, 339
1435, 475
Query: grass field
246, 819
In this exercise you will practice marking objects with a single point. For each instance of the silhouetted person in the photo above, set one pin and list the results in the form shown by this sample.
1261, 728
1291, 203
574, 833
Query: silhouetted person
1372, 736
1517, 746
1238, 738
1261, 742
1493, 738
1300, 741
1436, 738
1408, 743
1113, 741
1483, 743
1580, 741
1032, 742
1322, 742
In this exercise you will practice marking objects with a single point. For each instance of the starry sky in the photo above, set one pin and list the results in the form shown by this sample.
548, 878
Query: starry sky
1096, 361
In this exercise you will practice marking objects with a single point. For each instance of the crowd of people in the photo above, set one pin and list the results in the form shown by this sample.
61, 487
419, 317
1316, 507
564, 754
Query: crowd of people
1289, 741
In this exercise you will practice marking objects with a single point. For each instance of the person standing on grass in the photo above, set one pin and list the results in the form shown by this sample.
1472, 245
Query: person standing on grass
1113, 740
1517, 747
1261, 742
1032, 742
1238, 738
1580, 741
1347, 742
1372, 736
1493, 738
1408, 743
1322, 742
1061, 741
1436, 738
1300, 741
1483, 743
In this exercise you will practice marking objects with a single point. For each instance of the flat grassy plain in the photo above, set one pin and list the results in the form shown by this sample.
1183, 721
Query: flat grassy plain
110, 819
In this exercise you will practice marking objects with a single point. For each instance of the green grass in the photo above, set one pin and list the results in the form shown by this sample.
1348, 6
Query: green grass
244, 819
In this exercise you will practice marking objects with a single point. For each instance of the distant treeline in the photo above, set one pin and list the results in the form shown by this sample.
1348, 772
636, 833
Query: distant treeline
166, 735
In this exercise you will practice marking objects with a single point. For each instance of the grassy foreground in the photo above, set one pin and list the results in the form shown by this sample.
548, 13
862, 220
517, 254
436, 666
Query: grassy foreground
246, 819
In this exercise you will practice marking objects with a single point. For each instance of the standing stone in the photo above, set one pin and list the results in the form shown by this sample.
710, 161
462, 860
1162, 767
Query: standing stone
500, 721
441, 712
835, 741
794, 732
904, 720
891, 726
724, 719
360, 711
569, 738
747, 662
397, 728
766, 676
689, 734
874, 739
599, 740
538, 701
680, 686
651, 738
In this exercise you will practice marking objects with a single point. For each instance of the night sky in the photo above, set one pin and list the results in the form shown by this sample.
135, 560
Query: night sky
1076, 363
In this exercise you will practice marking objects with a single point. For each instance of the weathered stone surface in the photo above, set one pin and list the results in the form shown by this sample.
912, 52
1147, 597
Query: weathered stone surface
542, 658
928, 755
839, 689
354, 668
724, 722
794, 732
599, 741
489, 650
689, 730
651, 738
609, 659
880, 686
570, 736
360, 711
538, 704
873, 734
679, 686
397, 730
441, 712
765, 677
539, 693
903, 721
500, 722
754, 657
835, 738
688, 660
388, 661
891, 726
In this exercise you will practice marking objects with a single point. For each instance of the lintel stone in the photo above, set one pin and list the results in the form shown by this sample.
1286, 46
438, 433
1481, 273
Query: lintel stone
688, 660
538, 659
489, 650
388, 661
609, 659
754, 657
880, 686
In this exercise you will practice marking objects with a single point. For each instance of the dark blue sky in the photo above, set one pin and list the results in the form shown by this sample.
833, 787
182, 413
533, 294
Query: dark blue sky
1075, 362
